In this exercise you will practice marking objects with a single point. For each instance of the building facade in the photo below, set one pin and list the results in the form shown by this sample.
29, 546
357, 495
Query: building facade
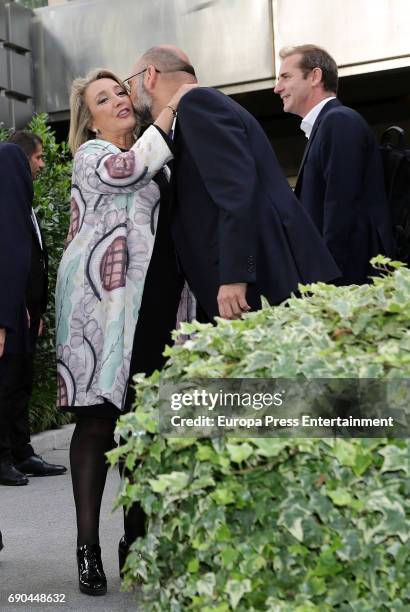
234, 45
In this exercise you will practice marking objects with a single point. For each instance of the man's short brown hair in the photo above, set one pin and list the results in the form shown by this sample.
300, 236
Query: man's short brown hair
28, 141
315, 57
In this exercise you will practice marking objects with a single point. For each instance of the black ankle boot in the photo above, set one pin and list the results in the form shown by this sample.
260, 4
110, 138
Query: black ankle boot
123, 548
91, 577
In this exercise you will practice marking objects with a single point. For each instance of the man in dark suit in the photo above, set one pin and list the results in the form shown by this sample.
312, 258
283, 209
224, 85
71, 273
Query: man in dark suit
340, 181
27, 271
239, 232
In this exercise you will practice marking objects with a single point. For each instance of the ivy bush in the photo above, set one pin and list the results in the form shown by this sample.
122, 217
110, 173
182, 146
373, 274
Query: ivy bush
52, 205
277, 524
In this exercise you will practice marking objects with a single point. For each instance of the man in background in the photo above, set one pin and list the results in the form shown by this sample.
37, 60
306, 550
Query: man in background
17, 457
340, 181
238, 230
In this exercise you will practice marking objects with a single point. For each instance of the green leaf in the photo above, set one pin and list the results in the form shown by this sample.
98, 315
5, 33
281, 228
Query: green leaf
223, 533
205, 453
395, 459
345, 452
239, 452
363, 461
229, 555
236, 589
296, 529
223, 496
206, 585
269, 447
180, 443
340, 497
317, 586
174, 482
193, 566
291, 519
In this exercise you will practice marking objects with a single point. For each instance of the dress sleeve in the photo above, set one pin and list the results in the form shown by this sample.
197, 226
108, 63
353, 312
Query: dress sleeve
100, 170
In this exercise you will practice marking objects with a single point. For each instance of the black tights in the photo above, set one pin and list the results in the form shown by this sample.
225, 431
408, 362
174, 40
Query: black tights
92, 438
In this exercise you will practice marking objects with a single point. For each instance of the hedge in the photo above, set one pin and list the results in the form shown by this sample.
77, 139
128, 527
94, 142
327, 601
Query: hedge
275, 524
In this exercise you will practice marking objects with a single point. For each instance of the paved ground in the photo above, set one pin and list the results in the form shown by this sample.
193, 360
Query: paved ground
38, 525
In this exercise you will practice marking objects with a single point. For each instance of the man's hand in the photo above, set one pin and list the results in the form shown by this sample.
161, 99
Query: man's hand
232, 301
2, 340
41, 328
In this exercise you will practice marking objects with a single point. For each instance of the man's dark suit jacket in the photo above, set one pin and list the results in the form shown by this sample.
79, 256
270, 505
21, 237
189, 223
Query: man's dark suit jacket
16, 195
37, 284
341, 185
234, 216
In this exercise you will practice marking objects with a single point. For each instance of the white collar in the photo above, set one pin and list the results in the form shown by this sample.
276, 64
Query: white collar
36, 227
172, 130
308, 120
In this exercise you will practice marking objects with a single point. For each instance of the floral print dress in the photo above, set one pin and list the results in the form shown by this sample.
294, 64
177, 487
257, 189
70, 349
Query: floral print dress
100, 281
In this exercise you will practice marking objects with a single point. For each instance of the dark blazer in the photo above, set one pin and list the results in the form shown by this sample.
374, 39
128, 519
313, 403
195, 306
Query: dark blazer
16, 195
37, 283
234, 217
341, 185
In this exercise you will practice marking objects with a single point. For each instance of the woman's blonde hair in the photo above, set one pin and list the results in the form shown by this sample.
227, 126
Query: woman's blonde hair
80, 115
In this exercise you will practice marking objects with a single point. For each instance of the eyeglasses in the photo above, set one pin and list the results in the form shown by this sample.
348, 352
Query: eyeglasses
184, 68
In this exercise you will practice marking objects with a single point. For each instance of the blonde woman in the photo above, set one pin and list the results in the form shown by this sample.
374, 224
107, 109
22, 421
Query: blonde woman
117, 263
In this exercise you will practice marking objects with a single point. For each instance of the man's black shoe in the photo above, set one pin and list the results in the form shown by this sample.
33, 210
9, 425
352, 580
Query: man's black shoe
36, 466
10, 475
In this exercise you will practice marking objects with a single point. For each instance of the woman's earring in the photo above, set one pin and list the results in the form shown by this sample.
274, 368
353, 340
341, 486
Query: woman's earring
97, 132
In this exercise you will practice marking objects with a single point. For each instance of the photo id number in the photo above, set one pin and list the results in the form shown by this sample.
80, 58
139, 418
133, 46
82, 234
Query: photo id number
37, 598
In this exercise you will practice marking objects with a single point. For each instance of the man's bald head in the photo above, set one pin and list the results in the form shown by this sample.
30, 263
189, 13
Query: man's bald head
158, 74
170, 60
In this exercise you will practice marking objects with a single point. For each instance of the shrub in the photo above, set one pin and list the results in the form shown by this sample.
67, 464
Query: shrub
267, 523
51, 203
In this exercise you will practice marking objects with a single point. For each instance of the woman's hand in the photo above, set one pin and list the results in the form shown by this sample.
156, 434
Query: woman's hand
184, 89
167, 116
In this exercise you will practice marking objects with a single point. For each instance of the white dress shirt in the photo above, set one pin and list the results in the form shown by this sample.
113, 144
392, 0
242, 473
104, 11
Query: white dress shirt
36, 227
308, 120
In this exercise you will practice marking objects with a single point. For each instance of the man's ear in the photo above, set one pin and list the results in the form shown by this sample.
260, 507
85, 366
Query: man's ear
316, 76
151, 76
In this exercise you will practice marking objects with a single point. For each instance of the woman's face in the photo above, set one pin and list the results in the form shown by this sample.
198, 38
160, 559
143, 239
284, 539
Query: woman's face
110, 107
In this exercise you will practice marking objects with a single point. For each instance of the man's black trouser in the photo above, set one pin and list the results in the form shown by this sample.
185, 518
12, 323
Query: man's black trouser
16, 382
